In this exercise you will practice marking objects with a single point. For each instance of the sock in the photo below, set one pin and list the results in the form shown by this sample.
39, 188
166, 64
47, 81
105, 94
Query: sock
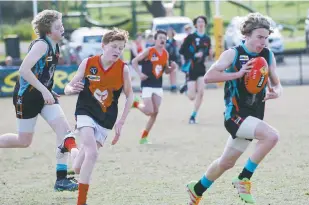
70, 143
145, 134
193, 114
248, 170
82, 193
202, 185
61, 171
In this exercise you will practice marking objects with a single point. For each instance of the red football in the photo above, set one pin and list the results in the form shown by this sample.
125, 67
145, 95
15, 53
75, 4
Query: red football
257, 78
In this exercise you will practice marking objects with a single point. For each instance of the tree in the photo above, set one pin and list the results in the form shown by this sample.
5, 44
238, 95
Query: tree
12, 11
156, 8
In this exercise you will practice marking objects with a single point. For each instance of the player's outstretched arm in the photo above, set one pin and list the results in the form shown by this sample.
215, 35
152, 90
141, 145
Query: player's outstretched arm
217, 73
128, 91
274, 86
76, 85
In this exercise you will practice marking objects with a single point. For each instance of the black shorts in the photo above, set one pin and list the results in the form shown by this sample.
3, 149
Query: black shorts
232, 125
29, 104
194, 74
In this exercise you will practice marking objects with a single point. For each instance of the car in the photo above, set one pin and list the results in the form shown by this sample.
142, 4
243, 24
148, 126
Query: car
89, 39
233, 37
178, 23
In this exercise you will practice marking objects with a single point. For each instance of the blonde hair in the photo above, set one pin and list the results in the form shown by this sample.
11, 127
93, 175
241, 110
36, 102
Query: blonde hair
115, 34
43, 21
254, 21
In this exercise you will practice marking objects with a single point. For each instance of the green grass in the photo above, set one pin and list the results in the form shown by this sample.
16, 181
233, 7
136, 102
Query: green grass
295, 45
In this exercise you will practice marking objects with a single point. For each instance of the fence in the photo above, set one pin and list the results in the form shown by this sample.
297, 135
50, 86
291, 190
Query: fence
293, 71
9, 76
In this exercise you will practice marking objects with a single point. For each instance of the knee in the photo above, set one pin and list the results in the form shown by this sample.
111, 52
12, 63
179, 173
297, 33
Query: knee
273, 138
24, 144
24, 141
200, 93
225, 164
191, 96
149, 112
76, 170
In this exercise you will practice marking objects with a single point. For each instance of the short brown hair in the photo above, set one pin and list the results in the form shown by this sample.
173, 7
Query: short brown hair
115, 34
254, 21
159, 32
200, 17
43, 21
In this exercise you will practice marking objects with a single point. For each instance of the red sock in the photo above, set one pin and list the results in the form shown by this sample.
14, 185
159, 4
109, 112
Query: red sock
145, 134
135, 104
82, 193
70, 143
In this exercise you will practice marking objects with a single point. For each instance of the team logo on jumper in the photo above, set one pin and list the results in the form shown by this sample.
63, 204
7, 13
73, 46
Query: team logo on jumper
19, 101
105, 98
243, 59
93, 70
49, 58
157, 71
93, 77
197, 41
154, 57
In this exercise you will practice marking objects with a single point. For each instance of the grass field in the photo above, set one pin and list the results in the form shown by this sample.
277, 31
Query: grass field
156, 174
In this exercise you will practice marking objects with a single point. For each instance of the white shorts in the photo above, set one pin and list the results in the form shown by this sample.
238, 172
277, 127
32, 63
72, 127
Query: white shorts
245, 131
100, 133
147, 92
49, 113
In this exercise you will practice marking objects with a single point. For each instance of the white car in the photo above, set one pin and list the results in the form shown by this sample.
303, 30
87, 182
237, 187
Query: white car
233, 37
178, 23
90, 40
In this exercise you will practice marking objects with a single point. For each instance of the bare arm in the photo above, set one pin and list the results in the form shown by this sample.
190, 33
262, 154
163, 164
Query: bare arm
167, 68
217, 73
273, 77
134, 49
274, 86
210, 55
127, 89
139, 58
35, 53
76, 85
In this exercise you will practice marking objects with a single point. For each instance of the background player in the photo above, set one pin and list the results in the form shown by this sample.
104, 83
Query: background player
173, 52
195, 49
155, 63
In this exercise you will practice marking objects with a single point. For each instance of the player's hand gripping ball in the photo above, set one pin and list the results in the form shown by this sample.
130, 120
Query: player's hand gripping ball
257, 78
